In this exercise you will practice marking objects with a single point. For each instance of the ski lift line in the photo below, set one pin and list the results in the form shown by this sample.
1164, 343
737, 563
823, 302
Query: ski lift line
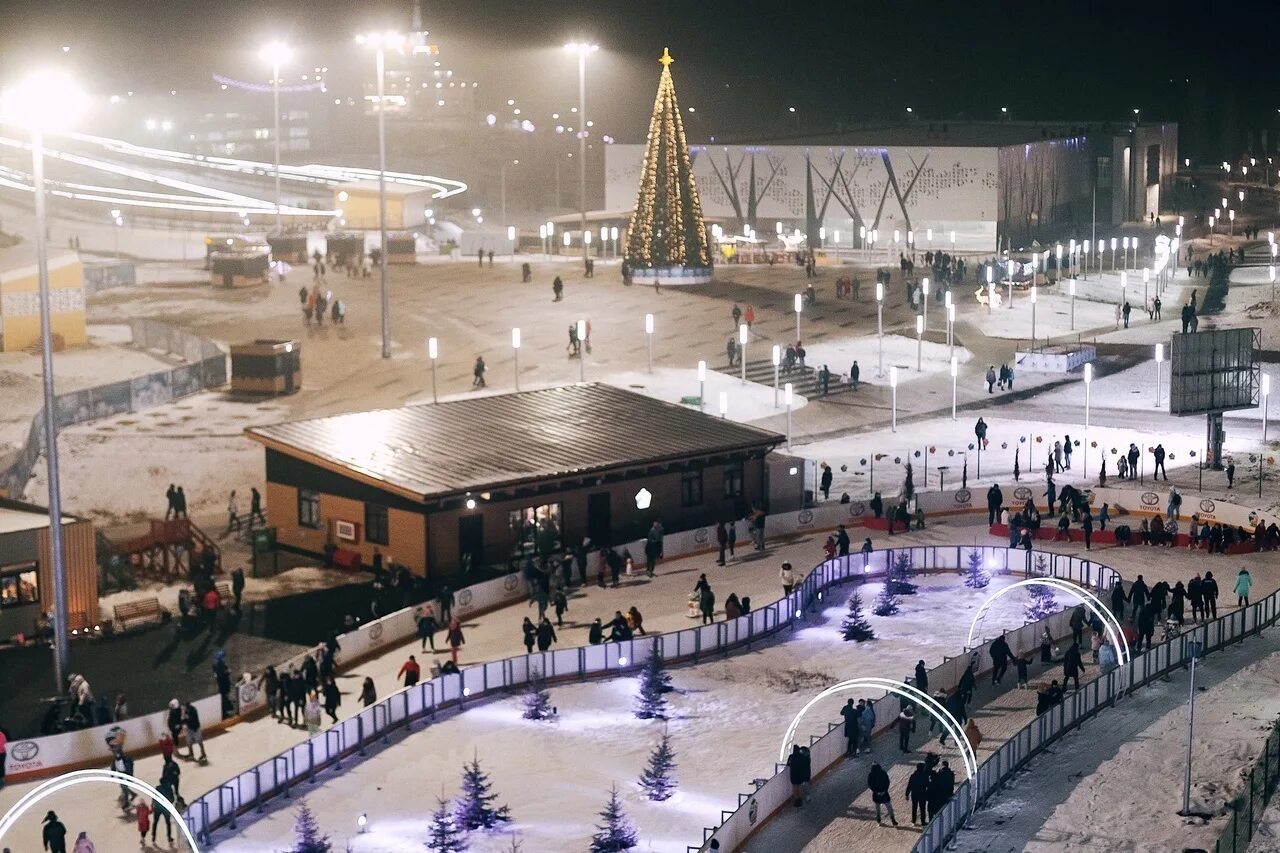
1091, 601
79, 777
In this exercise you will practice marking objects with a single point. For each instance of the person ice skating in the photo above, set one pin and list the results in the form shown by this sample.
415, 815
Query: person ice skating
878, 784
54, 834
332, 699
1231, 472
722, 541
918, 793
546, 634
799, 771
1244, 582
1077, 623
1137, 596
411, 671
1000, 654
455, 638
557, 288
477, 373
142, 813
427, 627
788, 578
560, 603
842, 541
194, 735
707, 604
877, 505
311, 714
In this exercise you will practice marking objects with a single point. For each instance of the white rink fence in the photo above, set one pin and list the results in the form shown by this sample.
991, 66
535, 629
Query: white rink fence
278, 775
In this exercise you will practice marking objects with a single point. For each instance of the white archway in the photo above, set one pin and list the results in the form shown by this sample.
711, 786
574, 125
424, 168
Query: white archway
949, 723
1087, 598
79, 777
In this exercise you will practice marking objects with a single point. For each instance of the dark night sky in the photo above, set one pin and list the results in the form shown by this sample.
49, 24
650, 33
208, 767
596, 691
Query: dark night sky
740, 63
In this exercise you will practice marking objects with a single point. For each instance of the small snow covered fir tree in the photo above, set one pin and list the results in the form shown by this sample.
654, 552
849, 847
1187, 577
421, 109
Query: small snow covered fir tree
886, 601
976, 577
443, 834
616, 833
307, 837
1041, 603
855, 625
536, 699
900, 572
658, 778
655, 682
474, 808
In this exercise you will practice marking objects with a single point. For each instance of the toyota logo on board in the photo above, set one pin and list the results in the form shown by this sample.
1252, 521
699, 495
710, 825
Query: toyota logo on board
511, 583
1022, 493
702, 535
1150, 499
24, 750
857, 509
464, 597
963, 496
1207, 505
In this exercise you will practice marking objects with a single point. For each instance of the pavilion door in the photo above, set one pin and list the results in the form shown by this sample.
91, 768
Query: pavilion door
470, 542
600, 519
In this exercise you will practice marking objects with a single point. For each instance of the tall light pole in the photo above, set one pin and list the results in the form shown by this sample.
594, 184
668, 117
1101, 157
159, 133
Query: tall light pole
787, 395
951, 327
433, 353
991, 285
955, 372
742, 347
799, 306
919, 343
879, 325
648, 331
1266, 394
1072, 287
1084, 256
924, 293
582, 350
702, 386
1033, 317
515, 349
277, 53
582, 49
48, 101
380, 42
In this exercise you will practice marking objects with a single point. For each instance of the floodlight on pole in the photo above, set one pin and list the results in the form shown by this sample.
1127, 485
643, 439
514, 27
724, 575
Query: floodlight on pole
893, 387
743, 335
702, 386
799, 304
433, 353
583, 49
648, 331
48, 101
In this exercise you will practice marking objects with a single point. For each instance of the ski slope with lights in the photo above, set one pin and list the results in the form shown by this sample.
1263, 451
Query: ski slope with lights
162, 180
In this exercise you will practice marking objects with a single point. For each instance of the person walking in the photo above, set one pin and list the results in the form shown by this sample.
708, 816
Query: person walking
824, 482
255, 506
722, 541
195, 737
1137, 596
921, 677
1072, 665
707, 604
854, 374
477, 373
142, 813
1159, 454
233, 513
918, 793
4, 748
1000, 655
878, 784
332, 699
546, 634
991, 378
427, 627
411, 671
1244, 582
54, 834
368, 692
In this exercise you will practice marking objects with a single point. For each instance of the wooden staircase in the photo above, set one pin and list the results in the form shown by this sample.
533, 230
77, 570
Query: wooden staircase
167, 551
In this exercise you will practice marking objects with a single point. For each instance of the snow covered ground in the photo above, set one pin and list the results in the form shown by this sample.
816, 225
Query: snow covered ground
750, 402
899, 351
726, 722
1053, 316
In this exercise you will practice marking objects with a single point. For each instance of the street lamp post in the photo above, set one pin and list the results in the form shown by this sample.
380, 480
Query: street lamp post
1266, 393
1088, 381
380, 42
777, 360
542, 235
515, 349
742, 347
1084, 258
1033, 317
648, 331
511, 241
924, 300
1125, 246
919, 343
582, 350
893, 387
951, 327
786, 393
880, 326
433, 352
582, 49
799, 305
278, 53
991, 285
1072, 287
1011, 265
702, 386
47, 101
955, 371
1159, 361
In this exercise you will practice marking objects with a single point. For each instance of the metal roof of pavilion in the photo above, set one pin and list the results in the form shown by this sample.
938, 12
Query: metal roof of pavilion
491, 442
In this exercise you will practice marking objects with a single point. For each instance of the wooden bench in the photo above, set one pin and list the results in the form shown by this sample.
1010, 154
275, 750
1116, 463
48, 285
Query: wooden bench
143, 610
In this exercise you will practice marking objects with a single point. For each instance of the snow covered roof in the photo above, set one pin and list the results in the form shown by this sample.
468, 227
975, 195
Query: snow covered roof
483, 443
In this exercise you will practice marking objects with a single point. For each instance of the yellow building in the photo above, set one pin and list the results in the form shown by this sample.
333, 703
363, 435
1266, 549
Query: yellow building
20, 297
407, 206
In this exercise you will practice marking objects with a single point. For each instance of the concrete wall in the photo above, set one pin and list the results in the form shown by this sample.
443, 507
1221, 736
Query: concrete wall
20, 303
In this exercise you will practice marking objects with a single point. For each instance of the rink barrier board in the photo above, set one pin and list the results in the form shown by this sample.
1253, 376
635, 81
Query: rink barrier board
424, 701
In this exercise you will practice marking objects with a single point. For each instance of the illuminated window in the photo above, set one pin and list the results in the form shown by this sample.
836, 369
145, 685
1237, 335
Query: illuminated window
536, 530
309, 508
19, 585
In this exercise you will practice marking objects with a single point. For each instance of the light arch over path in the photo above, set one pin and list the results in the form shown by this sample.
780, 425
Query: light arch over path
1087, 598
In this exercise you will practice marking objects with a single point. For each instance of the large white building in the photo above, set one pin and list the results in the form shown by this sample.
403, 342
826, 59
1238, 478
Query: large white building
987, 183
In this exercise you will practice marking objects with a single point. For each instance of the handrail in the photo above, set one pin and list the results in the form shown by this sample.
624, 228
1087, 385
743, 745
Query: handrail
423, 701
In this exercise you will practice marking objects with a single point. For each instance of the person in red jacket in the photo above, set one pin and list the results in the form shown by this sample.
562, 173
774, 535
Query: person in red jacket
210, 603
411, 671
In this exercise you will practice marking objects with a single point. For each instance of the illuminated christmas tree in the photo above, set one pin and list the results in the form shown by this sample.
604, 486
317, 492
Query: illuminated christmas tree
668, 239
